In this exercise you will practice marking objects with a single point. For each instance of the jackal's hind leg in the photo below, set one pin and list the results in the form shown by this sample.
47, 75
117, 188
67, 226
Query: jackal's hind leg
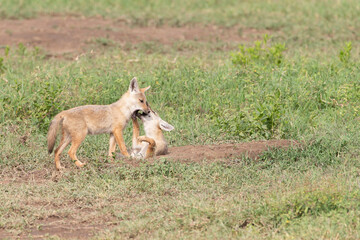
65, 140
75, 143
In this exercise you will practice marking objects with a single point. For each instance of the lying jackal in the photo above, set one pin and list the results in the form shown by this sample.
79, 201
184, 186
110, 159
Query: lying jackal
95, 119
153, 144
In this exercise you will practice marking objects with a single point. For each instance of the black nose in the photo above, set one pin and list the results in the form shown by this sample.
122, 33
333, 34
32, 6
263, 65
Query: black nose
148, 112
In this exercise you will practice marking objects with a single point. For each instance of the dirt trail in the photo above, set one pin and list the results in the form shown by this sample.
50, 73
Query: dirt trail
64, 34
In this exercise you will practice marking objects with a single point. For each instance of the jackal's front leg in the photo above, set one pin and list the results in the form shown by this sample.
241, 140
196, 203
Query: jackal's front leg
136, 132
120, 141
150, 152
112, 145
136, 144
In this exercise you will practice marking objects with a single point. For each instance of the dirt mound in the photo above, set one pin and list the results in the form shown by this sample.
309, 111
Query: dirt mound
223, 151
63, 34
213, 153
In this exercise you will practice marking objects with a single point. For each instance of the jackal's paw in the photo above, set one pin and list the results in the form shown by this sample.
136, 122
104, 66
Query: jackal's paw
139, 156
136, 155
59, 168
141, 139
79, 164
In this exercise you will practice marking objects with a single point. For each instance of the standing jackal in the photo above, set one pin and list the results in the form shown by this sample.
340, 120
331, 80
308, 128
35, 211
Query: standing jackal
95, 119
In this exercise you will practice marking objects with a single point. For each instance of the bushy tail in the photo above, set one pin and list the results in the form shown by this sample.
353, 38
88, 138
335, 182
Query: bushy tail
53, 128
151, 148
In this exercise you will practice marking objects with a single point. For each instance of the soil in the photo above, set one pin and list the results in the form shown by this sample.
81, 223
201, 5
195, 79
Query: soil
225, 151
212, 153
68, 34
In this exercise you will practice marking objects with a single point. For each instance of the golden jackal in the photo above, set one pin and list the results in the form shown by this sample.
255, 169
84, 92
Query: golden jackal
154, 142
95, 119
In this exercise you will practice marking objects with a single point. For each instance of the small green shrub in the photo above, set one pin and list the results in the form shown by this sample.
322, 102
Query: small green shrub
261, 119
45, 104
21, 50
345, 53
7, 51
260, 53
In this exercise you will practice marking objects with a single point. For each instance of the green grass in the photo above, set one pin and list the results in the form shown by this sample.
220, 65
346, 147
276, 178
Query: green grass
168, 200
210, 96
279, 195
296, 98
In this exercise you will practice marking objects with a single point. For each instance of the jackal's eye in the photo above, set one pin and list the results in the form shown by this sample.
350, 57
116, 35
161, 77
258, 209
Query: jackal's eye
141, 100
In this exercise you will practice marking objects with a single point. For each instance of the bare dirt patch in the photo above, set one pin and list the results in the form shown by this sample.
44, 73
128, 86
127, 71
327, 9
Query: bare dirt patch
66, 231
67, 34
55, 227
218, 152
225, 151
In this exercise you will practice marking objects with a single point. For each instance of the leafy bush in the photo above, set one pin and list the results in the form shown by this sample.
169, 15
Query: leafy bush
345, 53
260, 120
260, 53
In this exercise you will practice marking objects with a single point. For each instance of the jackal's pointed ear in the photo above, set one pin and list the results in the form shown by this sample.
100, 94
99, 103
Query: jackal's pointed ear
144, 89
134, 86
166, 126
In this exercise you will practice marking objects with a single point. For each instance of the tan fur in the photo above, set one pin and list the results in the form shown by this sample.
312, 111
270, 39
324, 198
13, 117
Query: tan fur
80, 121
151, 148
153, 144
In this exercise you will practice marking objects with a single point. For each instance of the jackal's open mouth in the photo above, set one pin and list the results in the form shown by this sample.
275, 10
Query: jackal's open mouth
140, 113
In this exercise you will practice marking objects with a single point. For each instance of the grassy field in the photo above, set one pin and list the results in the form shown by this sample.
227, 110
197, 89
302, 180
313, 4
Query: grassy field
301, 84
